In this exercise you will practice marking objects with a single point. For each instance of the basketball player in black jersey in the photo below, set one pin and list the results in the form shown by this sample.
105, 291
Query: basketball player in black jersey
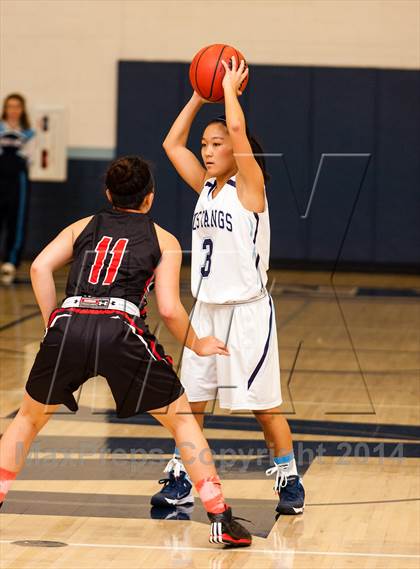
100, 328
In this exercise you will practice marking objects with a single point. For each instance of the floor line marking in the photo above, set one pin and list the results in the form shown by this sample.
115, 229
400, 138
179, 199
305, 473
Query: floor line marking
245, 550
90, 492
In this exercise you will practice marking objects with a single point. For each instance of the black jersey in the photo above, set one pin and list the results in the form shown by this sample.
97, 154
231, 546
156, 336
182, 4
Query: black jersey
115, 255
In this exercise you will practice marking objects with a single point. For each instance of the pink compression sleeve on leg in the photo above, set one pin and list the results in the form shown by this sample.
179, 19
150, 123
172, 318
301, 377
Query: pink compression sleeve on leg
210, 492
6, 480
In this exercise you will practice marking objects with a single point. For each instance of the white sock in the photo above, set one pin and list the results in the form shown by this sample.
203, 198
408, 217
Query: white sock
288, 462
291, 469
177, 456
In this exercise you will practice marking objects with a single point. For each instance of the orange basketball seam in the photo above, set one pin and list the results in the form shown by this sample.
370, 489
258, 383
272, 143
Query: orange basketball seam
246, 65
196, 69
215, 70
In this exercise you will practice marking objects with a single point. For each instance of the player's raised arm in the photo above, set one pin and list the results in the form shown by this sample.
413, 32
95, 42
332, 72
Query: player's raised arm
169, 303
175, 145
250, 177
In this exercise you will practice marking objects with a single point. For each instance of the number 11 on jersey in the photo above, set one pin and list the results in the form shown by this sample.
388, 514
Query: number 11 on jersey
101, 251
208, 248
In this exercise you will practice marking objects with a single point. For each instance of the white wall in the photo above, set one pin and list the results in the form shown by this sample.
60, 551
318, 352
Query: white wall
66, 51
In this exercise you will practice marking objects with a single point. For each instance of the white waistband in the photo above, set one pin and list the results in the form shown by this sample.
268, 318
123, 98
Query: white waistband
262, 295
101, 303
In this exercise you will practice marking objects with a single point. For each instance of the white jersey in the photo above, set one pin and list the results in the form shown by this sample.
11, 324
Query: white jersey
230, 247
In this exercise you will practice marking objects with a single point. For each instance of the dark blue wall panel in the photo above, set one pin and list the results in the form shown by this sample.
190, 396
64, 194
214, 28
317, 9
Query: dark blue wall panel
280, 115
397, 167
53, 206
299, 114
343, 123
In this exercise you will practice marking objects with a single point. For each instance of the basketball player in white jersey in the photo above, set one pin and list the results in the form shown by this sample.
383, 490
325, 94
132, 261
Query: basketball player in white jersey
230, 259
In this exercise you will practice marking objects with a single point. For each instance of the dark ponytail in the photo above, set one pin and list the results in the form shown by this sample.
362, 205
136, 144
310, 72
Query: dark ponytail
256, 147
258, 153
129, 181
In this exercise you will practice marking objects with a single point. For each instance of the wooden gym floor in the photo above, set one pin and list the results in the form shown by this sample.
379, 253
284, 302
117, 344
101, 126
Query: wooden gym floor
350, 359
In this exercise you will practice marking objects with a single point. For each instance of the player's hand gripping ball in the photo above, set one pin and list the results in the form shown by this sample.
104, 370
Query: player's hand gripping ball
207, 71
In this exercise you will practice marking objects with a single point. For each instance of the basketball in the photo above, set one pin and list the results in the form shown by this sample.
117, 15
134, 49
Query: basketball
207, 72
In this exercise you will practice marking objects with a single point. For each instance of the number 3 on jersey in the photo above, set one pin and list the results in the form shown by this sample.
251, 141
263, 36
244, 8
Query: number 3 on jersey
208, 247
101, 250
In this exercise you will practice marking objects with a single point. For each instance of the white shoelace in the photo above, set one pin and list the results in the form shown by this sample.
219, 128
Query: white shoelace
175, 465
281, 476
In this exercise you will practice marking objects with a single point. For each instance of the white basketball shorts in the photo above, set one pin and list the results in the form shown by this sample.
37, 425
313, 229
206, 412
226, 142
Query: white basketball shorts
250, 377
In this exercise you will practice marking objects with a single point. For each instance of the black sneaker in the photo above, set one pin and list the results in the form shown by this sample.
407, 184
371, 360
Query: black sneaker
225, 529
177, 488
292, 497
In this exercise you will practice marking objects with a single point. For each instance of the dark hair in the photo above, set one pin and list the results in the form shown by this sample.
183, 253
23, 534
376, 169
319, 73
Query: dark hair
256, 147
129, 181
24, 119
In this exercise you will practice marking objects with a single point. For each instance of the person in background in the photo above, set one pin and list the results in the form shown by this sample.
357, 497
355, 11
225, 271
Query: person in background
16, 147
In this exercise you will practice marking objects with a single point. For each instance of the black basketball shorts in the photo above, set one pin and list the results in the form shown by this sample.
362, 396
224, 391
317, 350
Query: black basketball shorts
81, 343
